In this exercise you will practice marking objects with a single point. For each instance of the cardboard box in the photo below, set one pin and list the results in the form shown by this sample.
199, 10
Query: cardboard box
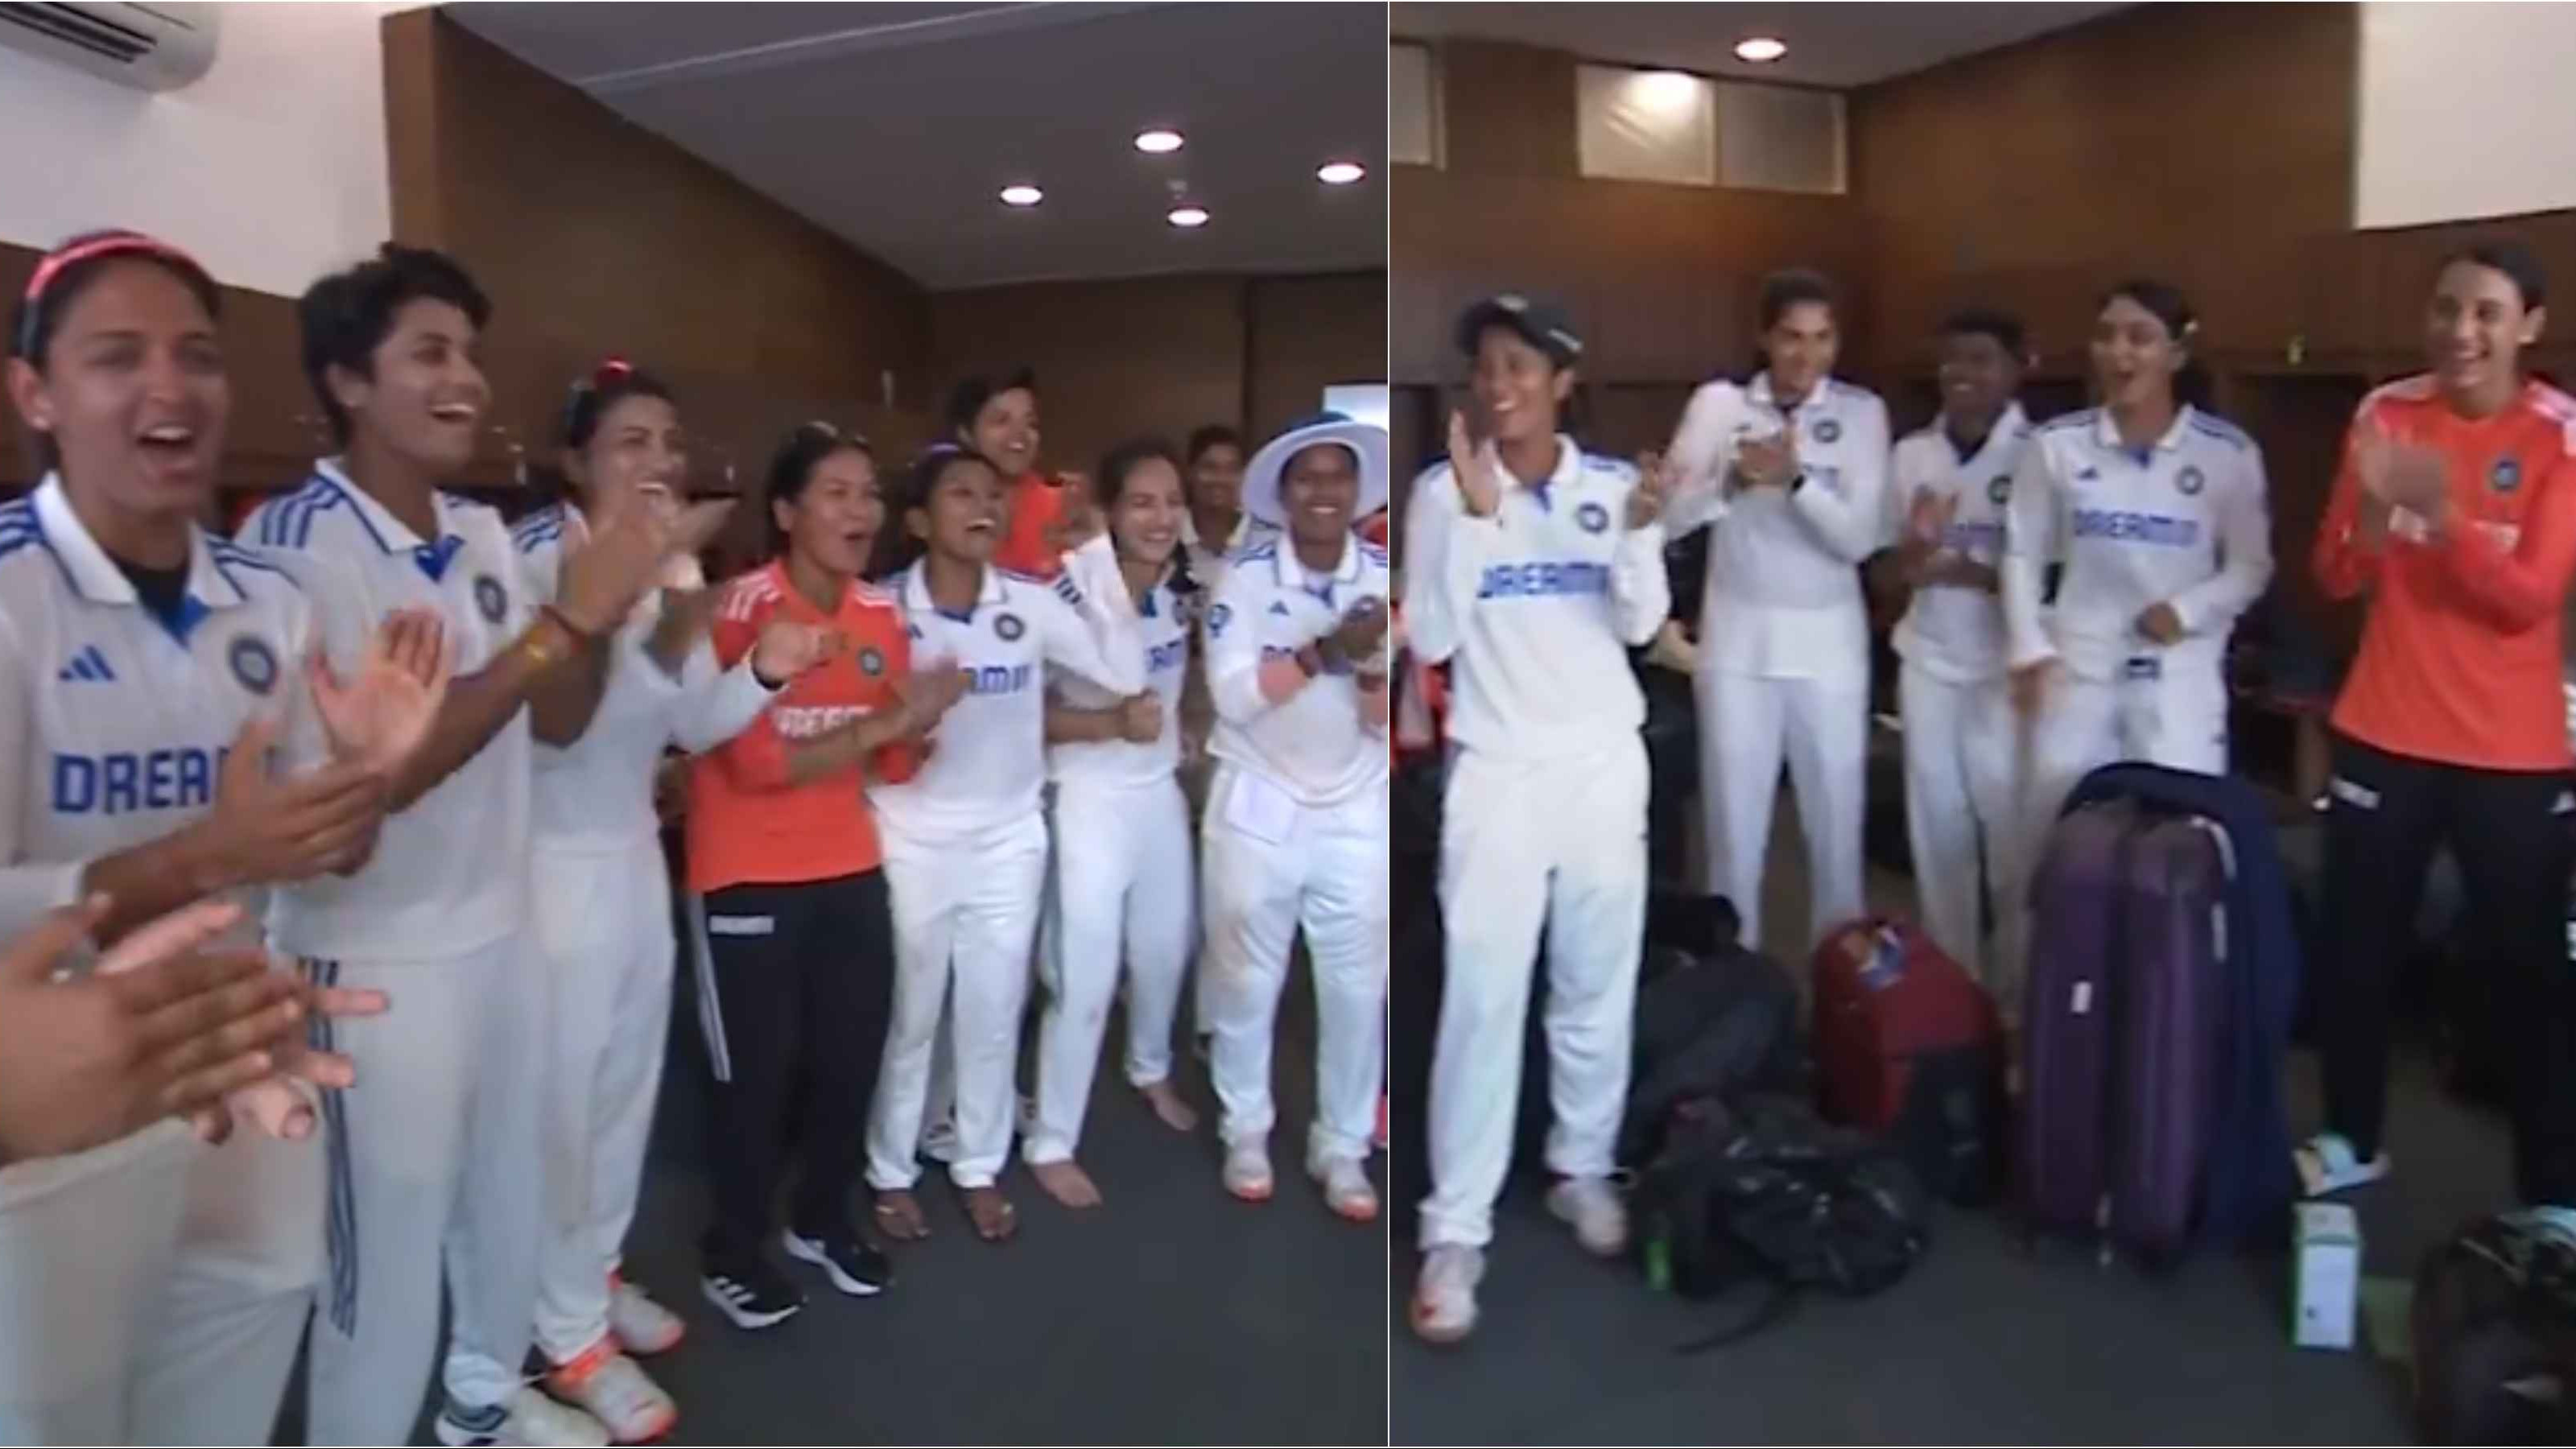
2324, 1297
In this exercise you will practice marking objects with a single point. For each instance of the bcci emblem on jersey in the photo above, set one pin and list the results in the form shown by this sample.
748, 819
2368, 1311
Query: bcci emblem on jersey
1009, 627
1827, 430
871, 663
2191, 481
1593, 517
1217, 615
2000, 490
2506, 475
253, 663
489, 598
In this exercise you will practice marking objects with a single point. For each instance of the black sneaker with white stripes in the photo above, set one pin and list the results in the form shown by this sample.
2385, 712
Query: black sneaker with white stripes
750, 1292
854, 1264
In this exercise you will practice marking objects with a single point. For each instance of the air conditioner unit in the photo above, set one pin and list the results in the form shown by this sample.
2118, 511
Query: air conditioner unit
148, 47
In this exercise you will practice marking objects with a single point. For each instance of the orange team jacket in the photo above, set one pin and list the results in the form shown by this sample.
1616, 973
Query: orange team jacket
747, 824
1035, 506
2460, 659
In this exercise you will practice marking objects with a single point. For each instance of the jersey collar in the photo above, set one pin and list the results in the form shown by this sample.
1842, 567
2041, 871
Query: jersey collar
97, 579
2107, 432
1295, 575
2008, 425
916, 591
1760, 391
390, 533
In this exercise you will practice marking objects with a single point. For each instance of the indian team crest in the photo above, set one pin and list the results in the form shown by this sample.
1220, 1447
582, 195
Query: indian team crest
2506, 475
1216, 619
253, 663
1593, 517
1828, 430
2191, 481
490, 598
1008, 626
871, 662
1999, 489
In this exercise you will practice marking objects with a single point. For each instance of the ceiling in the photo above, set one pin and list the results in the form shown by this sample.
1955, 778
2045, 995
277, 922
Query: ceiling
1837, 46
895, 126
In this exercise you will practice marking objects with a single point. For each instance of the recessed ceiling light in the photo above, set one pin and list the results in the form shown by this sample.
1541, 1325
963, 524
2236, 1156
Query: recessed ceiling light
1761, 49
1187, 216
1158, 142
1022, 196
1340, 173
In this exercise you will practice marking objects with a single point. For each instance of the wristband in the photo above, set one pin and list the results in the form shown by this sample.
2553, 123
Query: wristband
564, 621
763, 680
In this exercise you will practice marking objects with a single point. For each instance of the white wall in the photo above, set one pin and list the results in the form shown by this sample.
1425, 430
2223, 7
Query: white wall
2464, 111
270, 169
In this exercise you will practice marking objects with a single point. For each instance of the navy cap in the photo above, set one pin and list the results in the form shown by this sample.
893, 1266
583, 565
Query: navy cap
1541, 324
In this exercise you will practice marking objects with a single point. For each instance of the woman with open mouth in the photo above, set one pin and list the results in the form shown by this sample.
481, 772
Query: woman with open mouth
966, 844
1123, 874
2158, 511
603, 920
788, 882
175, 738
1296, 830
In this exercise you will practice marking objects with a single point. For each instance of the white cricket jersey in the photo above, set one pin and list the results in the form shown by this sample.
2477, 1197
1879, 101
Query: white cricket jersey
1784, 597
987, 765
1955, 634
2185, 522
1536, 608
597, 793
1163, 633
1316, 746
450, 874
113, 721
1210, 557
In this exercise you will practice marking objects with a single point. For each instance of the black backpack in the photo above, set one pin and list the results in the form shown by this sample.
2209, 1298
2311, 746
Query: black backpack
2494, 1330
1713, 1021
1762, 1190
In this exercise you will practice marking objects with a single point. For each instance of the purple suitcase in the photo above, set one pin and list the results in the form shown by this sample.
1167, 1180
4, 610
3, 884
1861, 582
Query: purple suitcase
2122, 1026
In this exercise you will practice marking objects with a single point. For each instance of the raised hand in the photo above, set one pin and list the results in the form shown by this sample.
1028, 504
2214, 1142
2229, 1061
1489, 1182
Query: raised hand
2160, 623
267, 831
1654, 486
163, 1027
381, 716
1361, 630
1768, 462
1078, 521
1473, 468
1140, 718
787, 649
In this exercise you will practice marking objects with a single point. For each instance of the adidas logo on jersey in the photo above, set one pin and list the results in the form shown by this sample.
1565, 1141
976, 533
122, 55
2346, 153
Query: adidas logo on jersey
88, 664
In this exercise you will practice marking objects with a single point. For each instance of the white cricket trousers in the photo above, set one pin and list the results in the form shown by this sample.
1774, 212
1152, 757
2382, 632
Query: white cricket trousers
1327, 871
1962, 810
440, 1156
965, 918
154, 1289
602, 926
1525, 845
1746, 723
1123, 886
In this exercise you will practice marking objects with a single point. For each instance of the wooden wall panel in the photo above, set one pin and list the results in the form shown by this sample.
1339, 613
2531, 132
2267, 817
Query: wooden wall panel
1306, 333
1157, 355
1659, 278
594, 236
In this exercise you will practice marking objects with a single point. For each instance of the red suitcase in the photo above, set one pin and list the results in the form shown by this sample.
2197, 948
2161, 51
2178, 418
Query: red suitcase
1909, 1046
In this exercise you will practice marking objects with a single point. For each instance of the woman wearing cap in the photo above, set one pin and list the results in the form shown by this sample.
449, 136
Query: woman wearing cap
1788, 470
1296, 829
1533, 569
603, 921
